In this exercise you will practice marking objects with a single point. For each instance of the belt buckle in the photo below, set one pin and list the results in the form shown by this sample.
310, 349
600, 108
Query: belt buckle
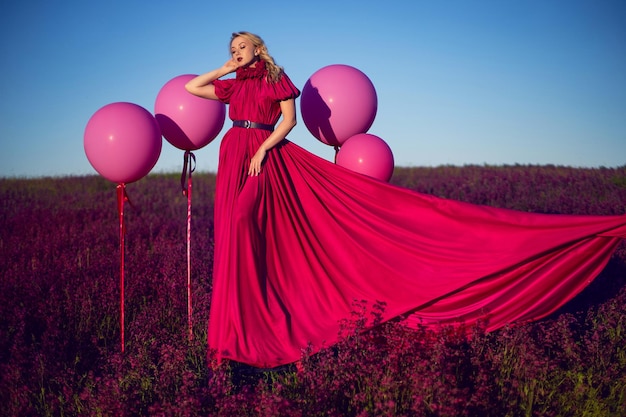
246, 124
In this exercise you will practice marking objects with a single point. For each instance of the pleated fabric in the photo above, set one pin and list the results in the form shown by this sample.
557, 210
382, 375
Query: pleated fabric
296, 246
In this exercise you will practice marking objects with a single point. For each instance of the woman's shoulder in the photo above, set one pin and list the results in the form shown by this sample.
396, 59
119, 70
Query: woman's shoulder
283, 88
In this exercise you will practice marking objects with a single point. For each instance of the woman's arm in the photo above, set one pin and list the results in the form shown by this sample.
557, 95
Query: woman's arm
202, 85
288, 109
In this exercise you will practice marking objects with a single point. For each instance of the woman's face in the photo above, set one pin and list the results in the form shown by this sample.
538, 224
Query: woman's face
243, 52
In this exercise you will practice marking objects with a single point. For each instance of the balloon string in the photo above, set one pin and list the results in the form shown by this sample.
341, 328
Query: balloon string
188, 167
122, 197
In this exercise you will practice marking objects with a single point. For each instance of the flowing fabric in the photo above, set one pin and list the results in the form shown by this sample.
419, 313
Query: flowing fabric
298, 244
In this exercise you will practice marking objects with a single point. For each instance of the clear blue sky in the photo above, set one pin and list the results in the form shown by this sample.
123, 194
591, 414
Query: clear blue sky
458, 82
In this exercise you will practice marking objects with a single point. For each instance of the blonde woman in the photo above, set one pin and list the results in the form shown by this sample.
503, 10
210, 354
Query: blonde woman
298, 239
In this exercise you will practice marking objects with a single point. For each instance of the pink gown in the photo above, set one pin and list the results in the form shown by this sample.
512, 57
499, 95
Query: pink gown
298, 244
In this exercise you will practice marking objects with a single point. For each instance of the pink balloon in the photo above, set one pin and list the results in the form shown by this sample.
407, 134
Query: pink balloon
338, 102
122, 142
367, 154
188, 122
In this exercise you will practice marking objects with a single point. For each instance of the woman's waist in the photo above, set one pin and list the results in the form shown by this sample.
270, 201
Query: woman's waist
251, 124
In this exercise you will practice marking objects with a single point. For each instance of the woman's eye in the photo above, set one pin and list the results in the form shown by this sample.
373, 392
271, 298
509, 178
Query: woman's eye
241, 47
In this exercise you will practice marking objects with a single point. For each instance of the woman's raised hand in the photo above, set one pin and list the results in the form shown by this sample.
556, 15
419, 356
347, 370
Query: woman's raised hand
230, 66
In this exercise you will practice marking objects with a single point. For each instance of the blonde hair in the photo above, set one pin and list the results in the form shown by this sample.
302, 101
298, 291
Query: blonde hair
273, 71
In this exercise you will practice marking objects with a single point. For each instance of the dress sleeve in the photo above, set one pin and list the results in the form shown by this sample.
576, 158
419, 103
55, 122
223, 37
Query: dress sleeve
224, 89
284, 89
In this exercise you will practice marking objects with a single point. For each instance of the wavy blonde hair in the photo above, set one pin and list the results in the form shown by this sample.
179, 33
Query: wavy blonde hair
274, 71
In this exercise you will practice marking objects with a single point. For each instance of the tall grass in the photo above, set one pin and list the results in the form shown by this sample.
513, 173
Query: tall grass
59, 315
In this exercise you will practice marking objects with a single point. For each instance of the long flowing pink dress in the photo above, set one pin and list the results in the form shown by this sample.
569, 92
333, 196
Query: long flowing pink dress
298, 244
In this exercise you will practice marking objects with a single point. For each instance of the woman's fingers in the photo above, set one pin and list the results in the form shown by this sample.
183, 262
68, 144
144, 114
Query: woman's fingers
255, 168
256, 162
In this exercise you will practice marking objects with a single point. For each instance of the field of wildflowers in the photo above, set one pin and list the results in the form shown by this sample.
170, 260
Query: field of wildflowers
60, 334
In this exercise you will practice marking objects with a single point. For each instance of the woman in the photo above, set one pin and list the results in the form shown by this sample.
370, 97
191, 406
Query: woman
299, 239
